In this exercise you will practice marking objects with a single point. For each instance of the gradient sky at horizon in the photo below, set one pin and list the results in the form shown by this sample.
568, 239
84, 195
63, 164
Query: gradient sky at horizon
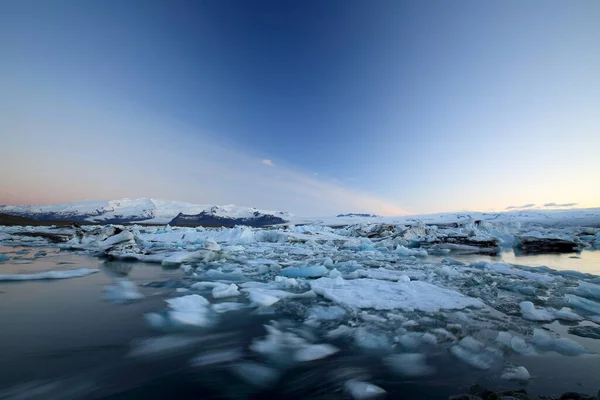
313, 107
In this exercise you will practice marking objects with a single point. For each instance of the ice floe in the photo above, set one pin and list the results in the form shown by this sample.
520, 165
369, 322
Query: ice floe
59, 274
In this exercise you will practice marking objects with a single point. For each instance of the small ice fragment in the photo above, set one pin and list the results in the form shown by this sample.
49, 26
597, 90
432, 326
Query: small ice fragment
190, 310
315, 352
529, 312
360, 390
186, 268
518, 344
182, 290
519, 374
409, 364
122, 291
256, 374
307, 272
229, 291
566, 315
582, 303
225, 307
262, 299
334, 273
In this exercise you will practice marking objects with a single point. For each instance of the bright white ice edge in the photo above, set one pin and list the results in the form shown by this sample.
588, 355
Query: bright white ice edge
62, 274
156, 211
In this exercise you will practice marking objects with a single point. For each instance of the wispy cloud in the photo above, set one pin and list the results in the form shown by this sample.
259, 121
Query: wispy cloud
183, 164
518, 207
560, 205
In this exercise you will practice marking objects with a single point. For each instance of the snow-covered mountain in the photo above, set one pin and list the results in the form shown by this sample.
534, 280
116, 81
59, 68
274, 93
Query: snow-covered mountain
143, 210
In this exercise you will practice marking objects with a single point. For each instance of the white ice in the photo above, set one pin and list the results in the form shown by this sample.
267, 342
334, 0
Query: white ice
529, 312
519, 374
123, 290
585, 304
543, 341
383, 295
190, 310
228, 291
314, 352
306, 272
59, 274
360, 390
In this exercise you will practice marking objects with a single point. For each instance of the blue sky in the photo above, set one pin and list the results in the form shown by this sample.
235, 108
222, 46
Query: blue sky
384, 107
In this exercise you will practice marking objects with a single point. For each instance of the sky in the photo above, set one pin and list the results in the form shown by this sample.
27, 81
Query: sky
311, 107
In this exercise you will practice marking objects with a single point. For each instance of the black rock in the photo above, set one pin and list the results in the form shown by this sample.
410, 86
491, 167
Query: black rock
592, 332
530, 244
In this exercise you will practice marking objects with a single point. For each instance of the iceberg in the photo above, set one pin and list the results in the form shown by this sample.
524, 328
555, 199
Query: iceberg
585, 304
314, 352
228, 291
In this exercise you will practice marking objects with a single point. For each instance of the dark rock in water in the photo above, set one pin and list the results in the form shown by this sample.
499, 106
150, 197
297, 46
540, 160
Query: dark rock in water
466, 244
576, 396
206, 218
477, 392
592, 332
530, 244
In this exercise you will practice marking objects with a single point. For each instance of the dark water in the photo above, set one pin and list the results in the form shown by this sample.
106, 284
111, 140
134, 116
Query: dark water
61, 339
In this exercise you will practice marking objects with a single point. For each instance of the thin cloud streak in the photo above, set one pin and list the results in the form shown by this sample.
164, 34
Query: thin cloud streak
518, 207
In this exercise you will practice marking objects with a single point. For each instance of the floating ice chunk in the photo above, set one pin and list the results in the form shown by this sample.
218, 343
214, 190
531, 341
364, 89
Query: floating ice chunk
519, 374
529, 312
182, 290
505, 269
256, 374
477, 360
60, 274
587, 289
383, 295
286, 283
342, 330
504, 338
315, 352
226, 307
156, 320
333, 313
360, 390
519, 345
334, 273
383, 274
216, 357
122, 237
471, 344
582, 303
190, 310
568, 347
4, 257
413, 340
566, 315
193, 256
123, 290
229, 291
186, 268
262, 299
403, 251
409, 364
543, 341
372, 340
474, 353
307, 272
